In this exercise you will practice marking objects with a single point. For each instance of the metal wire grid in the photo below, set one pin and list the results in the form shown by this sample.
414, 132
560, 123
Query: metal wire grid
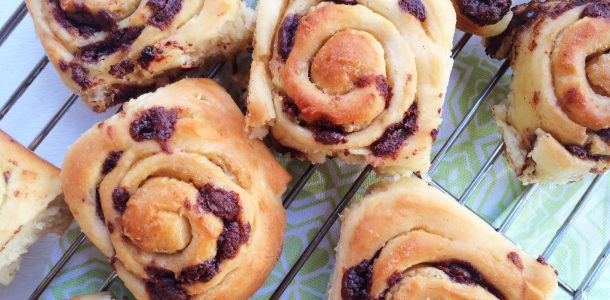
580, 292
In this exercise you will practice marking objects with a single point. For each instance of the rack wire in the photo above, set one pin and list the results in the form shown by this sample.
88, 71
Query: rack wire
581, 292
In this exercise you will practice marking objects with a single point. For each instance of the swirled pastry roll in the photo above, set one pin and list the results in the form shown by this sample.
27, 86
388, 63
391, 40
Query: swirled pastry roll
170, 193
360, 80
427, 246
30, 204
110, 51
556, 120
483, 17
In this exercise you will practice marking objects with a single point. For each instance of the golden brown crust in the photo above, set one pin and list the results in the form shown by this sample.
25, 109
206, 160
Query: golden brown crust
422, 237
30, 203
556, 115
110, 51
188, 200
363, 81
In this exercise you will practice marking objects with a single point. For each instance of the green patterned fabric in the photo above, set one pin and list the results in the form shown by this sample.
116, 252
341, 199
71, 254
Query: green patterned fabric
532, 230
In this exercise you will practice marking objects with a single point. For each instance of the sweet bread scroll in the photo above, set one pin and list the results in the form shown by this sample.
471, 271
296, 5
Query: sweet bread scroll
363, 81
169, 192
109, 51
407, 240
556, 120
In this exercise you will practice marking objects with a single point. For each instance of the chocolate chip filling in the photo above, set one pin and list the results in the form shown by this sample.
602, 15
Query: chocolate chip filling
604, 134
156, 124
392, 281
584, 154
484, 12
356, 282
381, 83
541, 260
98, 204
124, 92
63, 65
121, 69
326, 133
286, 35
162, 284
7, 176
385, 90
434, 134
111, 161
148, 55
599, 9
514, 258
73, 26
120, 196
115, 41
222, 203
234, 234
203, 272
80, 75
465, 273
389, 144
345, 2
103, 19
413, 7
110, 227
163, 11
290, 108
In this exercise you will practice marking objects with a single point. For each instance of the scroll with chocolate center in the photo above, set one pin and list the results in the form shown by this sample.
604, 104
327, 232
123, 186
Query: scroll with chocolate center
483, 17
169, 192
360, 80
556, 120
110, 51
427, 246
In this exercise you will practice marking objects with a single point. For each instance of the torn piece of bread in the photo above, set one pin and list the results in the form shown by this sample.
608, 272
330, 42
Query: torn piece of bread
30, 204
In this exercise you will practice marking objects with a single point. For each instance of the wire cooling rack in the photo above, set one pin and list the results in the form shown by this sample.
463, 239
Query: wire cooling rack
579, 292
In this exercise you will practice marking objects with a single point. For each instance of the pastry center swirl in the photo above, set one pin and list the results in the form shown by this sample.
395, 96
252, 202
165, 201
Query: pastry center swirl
154, 219
345, 60
329, 70
598, 73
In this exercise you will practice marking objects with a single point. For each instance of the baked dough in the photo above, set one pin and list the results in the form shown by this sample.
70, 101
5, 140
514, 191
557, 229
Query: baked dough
170, 193
483, 17
556, 120
30, 204
427, 246
361, 80
110, 51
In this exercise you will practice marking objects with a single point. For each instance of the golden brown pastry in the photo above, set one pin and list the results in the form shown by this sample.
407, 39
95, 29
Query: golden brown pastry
483, 17
556, 120
31, 204
360, 80
171, 193
427, 246
111, 51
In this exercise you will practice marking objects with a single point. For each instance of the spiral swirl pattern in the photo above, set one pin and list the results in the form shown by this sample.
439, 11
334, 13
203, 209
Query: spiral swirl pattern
427, 246
557, 119
111, 51
170, 194
360, 80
